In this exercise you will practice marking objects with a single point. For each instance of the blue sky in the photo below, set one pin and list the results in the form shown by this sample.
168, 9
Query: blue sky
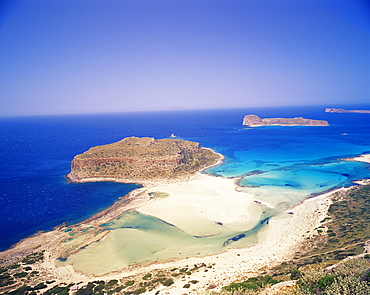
89, 56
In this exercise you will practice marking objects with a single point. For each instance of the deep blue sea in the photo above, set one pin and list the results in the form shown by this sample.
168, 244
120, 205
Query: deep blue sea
282, 165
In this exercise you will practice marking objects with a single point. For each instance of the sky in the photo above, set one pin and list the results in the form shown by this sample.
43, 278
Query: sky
101, 56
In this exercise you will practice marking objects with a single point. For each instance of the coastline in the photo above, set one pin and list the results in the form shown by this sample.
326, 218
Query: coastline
278, 242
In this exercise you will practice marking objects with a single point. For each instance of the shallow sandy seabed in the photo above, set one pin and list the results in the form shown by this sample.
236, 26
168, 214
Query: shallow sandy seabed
198, 205
199, 216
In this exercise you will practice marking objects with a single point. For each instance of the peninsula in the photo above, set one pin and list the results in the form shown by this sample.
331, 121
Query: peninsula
141, 160
334, 110
255, 121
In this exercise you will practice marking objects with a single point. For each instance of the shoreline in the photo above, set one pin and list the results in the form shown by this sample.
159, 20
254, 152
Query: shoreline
280, 240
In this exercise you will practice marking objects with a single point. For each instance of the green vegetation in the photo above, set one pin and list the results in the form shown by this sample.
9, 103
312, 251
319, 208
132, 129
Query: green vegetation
33, 258
255, 284
158, 195
21, 291
100, 288
57, 290
129, 283
13, 281
147, 276
20, 275
348, 278
6, 280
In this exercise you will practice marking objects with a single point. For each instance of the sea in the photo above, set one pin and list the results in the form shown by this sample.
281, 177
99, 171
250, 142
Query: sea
281, 165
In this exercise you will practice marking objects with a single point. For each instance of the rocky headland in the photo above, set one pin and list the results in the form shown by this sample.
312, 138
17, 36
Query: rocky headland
255, 121
334, 110
142, 160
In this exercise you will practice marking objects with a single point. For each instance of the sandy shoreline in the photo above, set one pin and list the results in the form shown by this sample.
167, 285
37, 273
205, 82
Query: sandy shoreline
279, 240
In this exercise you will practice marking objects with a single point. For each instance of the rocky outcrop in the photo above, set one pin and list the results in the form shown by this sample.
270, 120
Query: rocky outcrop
139, 160
255, 121
333, 110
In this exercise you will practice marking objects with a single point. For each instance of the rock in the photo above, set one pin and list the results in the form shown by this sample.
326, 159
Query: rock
334, 110
255, 121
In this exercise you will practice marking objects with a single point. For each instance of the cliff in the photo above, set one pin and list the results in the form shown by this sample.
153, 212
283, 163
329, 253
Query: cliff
255, 121
135, 159
333, 110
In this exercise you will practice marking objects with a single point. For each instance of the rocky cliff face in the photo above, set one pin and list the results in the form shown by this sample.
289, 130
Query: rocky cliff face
141, 159
255, 121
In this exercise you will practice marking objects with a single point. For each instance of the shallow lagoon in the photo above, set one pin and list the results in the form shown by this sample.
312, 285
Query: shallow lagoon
200, 217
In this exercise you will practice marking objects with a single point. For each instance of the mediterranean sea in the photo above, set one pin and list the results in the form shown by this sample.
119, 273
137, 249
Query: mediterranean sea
282, 165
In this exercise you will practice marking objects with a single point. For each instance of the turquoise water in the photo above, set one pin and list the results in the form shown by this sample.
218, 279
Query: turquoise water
282, 165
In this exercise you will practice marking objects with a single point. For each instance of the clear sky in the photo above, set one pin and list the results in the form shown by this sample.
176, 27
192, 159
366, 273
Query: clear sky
88, 56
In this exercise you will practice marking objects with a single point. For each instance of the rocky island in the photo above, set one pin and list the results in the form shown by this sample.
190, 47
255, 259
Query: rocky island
134, 159
255, 121
334, 110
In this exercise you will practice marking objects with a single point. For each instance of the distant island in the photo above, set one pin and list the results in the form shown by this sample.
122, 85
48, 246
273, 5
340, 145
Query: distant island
255, 121
139, 160
333, 110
